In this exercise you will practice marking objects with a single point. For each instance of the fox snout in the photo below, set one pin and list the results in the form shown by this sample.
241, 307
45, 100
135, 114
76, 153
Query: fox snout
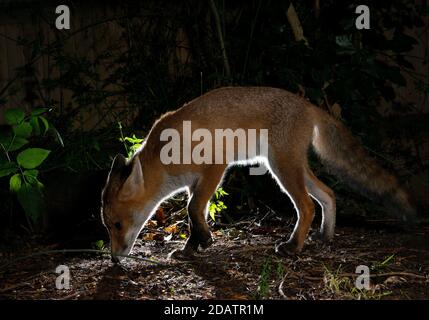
118, 256
119, 250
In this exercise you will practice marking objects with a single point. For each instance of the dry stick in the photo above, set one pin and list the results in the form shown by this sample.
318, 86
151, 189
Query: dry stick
281, 287
386, 274
221, 40
70, 296
235, 224
14, 286
18, 285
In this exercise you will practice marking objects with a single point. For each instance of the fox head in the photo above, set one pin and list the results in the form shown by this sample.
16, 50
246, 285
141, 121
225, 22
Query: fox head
122, 209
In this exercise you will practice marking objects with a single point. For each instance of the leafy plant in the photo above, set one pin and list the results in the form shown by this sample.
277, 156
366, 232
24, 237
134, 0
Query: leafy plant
280, 270
217, 206
378, 266
344, 286
131, 144
98, 245
263, 287
20, 162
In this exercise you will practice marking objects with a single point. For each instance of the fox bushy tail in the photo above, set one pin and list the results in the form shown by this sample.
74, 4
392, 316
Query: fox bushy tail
345, 157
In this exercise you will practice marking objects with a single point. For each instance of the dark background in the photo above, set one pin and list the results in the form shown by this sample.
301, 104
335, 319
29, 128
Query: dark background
129, 62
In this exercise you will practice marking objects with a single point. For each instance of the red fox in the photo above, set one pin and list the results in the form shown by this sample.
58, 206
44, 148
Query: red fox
136, 187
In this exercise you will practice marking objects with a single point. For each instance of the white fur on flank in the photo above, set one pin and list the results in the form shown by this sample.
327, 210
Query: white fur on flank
175, 184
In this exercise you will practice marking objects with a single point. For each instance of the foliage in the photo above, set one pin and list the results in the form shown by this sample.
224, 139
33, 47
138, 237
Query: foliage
20, 162
216, 205
379, 266
98, 245
263, 287
131, 144
268, 270
344, 287
136, 78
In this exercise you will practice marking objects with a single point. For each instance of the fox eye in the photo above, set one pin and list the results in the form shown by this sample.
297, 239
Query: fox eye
118, 226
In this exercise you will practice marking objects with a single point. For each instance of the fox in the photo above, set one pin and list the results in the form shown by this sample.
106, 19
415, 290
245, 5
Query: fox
135, 187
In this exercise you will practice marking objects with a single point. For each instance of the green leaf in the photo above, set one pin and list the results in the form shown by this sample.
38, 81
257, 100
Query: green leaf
15, 182
96, 145
31, 173
34, 121
31, 199
220, 193
32, 157
99, 245
23, 129
13, 143
345, 43
58, 136
31, 176
14, 116
7, 168
45, 123
38, 111
212, 211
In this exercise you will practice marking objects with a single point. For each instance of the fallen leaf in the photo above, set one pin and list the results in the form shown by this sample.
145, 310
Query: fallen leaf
152, 224
149, 236
336, 110
160, 216
171, 229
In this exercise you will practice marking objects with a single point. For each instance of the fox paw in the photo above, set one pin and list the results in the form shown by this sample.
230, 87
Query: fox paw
324, 236
287, 248
207, 243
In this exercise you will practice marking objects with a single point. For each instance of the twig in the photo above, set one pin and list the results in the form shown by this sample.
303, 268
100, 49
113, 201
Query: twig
386, 274
70, 296
281, 287
5, 152
18, 285
246, 222
384, 220
14, 286
379, 275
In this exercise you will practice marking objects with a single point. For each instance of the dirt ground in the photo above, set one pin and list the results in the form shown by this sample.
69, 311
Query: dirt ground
241, 264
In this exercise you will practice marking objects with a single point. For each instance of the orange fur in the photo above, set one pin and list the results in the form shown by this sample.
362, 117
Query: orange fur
135, 188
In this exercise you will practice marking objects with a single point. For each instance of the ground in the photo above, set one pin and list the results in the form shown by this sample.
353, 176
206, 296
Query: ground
241, 264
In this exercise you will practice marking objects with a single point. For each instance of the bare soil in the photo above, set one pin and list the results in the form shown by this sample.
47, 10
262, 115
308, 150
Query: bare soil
241, 264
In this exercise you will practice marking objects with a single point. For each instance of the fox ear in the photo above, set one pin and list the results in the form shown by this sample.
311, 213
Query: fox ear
119, 162
134, 182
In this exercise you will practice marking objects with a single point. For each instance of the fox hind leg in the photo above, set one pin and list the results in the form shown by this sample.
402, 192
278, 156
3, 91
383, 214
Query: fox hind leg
291, 179
326, 198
